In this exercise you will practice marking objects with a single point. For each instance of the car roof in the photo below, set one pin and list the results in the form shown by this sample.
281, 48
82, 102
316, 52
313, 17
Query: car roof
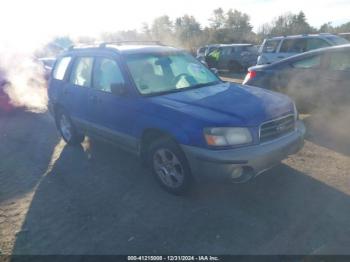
124, 49
210, 45
225, 45
233, 45
243, 44
137, 49
299, 36
46, 59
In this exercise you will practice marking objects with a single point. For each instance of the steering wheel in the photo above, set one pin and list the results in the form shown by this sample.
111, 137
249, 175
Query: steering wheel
178, 77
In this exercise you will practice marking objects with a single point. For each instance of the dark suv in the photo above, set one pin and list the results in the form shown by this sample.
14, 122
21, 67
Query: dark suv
165, 106
232, 57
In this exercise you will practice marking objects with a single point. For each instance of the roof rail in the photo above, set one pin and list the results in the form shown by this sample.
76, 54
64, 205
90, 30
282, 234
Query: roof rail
104, 44
88, 45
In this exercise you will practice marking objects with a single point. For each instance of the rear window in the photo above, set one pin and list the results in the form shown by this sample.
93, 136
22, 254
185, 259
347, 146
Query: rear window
271, 46
294, 45
315, 43
336, 40
61, 68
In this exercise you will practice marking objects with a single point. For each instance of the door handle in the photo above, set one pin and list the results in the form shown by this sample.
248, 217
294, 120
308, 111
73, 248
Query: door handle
280, 57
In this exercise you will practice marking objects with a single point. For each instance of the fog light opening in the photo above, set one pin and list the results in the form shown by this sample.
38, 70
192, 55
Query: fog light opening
241, 174
237, 172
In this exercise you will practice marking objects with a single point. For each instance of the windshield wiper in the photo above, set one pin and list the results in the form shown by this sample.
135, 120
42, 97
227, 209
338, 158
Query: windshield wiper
184, 89
203, 85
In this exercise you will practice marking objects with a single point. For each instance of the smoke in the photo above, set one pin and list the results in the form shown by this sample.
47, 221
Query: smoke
25, 77
325, 107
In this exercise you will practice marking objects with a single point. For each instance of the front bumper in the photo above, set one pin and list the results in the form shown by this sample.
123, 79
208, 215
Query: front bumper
219, 164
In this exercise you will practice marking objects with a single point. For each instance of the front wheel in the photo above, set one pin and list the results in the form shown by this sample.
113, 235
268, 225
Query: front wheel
169, 165
67, 129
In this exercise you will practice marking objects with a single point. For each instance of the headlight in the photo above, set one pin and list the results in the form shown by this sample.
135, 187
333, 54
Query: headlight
227, 136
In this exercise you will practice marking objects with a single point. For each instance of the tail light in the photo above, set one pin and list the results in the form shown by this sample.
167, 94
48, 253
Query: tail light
251, 74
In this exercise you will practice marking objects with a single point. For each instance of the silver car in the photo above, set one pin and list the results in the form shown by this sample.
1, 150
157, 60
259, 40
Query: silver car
278, 48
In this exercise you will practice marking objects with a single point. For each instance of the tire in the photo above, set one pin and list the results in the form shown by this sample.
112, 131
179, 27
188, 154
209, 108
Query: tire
170, 166
67, 130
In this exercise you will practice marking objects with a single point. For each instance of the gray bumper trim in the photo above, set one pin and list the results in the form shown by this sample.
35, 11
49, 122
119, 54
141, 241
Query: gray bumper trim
220, 163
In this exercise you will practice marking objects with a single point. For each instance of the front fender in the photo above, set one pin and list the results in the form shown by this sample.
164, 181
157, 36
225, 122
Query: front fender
172, 128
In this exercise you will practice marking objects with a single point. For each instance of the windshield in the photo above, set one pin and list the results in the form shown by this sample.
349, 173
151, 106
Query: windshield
337, 40
163, 73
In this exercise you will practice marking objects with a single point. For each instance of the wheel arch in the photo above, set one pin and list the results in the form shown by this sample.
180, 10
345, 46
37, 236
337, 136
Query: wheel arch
150, 135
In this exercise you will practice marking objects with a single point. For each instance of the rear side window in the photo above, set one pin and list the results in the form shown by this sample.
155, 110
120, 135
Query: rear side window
82, 70
271, 46
310, 62
315, 43
339, 61
226, 50
251, 49
287, 46
336, 40
107, 74
61, 68
297, 45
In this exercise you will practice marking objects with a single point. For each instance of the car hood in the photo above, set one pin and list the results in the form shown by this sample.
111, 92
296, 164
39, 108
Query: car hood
229, 103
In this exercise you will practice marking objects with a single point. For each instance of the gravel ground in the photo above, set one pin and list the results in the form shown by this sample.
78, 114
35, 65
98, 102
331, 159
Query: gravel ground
96, 199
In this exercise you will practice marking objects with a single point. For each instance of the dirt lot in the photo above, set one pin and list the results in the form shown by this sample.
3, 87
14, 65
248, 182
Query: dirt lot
96, 199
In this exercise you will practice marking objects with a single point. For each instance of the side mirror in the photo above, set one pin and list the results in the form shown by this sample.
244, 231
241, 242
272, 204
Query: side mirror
118, 89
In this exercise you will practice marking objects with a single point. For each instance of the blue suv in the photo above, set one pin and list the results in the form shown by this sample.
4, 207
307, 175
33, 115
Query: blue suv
163, 105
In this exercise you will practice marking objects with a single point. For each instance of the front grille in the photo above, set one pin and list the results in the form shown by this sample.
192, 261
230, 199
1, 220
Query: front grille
276, 128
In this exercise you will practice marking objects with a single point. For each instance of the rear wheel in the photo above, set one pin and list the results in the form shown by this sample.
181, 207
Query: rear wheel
170, 167
67, 129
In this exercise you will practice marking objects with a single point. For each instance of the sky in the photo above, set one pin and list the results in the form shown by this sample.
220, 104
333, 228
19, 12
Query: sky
35, 21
